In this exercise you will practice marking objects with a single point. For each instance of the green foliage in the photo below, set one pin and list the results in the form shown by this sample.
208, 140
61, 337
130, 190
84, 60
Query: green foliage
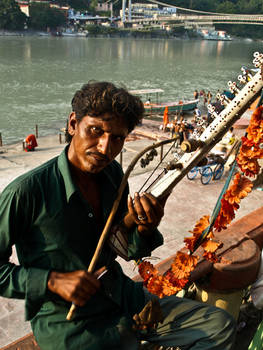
227, 7
11, 17
42, 16
94, 29
93, 4
79, 5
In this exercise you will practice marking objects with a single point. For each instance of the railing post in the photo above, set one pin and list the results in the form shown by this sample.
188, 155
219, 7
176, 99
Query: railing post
161, 153
121, 158
1, 142
36, 131
60, 138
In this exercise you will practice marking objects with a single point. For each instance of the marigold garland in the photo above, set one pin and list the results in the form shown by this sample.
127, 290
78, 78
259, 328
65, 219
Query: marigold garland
178, 275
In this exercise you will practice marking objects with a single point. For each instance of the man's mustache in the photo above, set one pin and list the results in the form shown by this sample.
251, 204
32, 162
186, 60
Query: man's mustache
98, 154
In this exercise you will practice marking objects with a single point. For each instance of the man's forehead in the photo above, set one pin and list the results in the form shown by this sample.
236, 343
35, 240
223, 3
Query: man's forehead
112, 119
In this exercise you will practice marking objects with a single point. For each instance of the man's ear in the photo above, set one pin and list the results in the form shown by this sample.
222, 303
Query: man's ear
72, 121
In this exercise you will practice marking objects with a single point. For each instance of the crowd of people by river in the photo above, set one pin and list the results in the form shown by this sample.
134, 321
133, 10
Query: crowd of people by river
177, 125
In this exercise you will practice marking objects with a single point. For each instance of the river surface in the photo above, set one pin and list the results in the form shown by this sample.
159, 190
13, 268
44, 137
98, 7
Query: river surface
39, 75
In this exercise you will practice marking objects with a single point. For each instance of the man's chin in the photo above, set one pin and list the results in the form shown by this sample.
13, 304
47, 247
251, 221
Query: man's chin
95, 168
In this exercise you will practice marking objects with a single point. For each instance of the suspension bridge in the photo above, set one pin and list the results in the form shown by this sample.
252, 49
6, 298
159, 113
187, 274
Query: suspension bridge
192, 18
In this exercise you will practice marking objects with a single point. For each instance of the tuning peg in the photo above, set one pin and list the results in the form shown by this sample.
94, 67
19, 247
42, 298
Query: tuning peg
154, 152
233, 87
143, 163
211, 108
258, 60
242, 79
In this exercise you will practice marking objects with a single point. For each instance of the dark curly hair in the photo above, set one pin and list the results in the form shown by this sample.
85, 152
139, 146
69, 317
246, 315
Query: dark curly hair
97, 98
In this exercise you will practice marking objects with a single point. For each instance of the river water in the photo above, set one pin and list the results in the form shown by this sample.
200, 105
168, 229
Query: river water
39, 75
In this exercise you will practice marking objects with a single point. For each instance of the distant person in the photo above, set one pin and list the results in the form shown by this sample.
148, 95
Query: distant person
165, 118
205, 98
229, 137
30, 143
196, 94
209, 97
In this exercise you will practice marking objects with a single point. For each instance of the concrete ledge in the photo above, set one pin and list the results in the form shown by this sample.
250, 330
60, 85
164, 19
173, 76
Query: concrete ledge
27, 342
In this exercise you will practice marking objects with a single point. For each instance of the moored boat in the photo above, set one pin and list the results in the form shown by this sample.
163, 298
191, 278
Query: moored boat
179, 106
158, 107
219, 35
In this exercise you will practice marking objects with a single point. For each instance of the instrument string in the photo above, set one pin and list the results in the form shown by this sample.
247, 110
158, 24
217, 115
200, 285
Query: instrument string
157, 166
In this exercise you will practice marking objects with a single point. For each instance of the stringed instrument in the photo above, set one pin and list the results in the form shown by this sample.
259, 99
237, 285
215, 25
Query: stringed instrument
195, 150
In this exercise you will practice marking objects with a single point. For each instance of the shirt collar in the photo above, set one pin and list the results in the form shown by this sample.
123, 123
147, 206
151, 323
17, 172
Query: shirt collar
71, 188
63, 165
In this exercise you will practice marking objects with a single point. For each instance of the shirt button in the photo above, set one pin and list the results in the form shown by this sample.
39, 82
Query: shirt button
90, 215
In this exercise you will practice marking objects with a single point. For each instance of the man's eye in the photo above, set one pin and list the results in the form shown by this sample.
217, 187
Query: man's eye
96, 130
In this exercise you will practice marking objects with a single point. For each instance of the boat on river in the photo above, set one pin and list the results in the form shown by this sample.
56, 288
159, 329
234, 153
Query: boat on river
176, 106
218, 35
157, 107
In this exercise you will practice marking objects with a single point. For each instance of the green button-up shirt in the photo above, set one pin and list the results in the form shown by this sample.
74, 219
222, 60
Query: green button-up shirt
53, 228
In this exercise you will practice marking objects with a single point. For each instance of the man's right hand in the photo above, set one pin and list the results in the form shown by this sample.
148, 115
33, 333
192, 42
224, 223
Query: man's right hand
76, 287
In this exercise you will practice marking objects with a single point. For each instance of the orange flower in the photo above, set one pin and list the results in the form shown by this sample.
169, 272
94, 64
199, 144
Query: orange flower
210, 257
225, 216
255, 128
201, 225
176, 282
147, 270
155, 285
183, 264
249, 167
251, 151
211, 246
190, 242
239, 190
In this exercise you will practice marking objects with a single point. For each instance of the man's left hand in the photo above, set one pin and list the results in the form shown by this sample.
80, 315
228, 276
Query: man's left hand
145, 211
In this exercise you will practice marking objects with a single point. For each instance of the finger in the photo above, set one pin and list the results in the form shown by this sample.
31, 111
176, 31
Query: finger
139, 208
131, 209
156, 203
89, 280
152, 207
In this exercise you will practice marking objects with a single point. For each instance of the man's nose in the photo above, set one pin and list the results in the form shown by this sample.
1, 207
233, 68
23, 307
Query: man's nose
104, 145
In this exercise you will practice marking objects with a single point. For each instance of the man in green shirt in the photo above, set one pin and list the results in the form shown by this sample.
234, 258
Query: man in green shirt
54, 215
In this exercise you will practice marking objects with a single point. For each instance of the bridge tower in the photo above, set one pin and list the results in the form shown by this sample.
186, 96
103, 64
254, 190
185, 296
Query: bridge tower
129, 10
123, 11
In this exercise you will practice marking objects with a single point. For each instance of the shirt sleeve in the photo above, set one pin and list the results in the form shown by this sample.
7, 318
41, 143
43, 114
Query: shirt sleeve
18, 281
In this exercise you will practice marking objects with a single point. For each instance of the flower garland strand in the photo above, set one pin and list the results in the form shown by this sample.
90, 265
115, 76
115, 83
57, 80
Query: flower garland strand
178, 275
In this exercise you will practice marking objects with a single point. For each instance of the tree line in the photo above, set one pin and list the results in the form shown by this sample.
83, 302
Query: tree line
42, 16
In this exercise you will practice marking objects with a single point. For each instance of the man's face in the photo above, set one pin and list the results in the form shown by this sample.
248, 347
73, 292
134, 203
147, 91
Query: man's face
96, 141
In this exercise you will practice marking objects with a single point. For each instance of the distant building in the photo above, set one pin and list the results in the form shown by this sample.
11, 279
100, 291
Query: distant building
24, 5
143, 10
104, 6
